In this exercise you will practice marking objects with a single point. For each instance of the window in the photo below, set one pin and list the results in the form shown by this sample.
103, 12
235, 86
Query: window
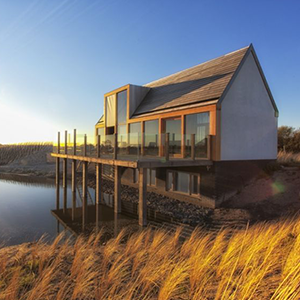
197, 124
122, 107
134, 133
151, 176
110, 113
183, 182
151, 138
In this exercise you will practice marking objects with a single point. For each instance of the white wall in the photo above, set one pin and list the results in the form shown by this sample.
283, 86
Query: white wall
248, 122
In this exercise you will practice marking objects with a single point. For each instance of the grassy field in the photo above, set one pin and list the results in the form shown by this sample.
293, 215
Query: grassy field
14, 152
261, 262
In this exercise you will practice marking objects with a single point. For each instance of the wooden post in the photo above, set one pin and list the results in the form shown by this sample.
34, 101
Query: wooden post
193, 146
116, 146
65, 161
84, 194
74, 175
98, 146
98, 183
208, 147
117, 198
167, 146
84, 146
142, 138
142, 196
58, 161
74, 143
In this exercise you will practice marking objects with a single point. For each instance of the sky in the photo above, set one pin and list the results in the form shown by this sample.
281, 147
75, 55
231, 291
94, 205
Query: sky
58, 57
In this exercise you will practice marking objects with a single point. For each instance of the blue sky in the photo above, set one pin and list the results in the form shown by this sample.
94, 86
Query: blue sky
58, 57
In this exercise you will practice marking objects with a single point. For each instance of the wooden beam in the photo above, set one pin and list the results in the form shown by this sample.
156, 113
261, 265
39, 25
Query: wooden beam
66, 142
142, 196
98, 183
117, 197
84, 145
183, 136
58, 142
98, 146
57, 171
65, 172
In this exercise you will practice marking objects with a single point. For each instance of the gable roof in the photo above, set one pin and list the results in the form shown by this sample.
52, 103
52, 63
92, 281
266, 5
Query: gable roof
202, 84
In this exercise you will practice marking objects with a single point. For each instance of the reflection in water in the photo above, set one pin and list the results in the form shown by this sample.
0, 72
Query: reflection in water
88, 218
26, 204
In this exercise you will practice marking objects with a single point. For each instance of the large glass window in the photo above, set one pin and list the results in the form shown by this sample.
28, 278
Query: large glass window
151, 138
183, 182
197, 124
110, 113
122, 107
173, 127
134, 133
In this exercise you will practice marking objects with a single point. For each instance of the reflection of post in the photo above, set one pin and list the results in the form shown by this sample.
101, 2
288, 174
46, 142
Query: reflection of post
193, 146
142, 196
74, 165
57, 160
116, 225
167, 146
73, 205
84, 192
57, 227
65, 200
57, 196
97, 206
117, 196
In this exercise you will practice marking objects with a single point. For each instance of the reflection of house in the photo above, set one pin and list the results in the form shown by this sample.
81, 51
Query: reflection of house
221, 111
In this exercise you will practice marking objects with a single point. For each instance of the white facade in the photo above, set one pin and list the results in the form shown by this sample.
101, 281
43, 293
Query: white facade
248, 122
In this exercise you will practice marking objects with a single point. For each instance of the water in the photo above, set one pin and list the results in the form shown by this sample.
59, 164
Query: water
28, 211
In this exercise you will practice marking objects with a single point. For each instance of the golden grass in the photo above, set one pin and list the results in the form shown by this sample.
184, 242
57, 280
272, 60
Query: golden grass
13, 152
261, 262
288, 157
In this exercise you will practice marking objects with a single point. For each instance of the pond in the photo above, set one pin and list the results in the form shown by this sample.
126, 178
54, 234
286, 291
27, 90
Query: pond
28, 211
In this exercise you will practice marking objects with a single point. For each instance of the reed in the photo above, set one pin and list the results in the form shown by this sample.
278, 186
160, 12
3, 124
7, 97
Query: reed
260, 262
14, 152
284, 157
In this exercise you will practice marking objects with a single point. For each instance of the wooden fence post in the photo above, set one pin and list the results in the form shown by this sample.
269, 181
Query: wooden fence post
193, 146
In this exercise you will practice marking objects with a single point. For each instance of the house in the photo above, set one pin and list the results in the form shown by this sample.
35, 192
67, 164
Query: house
219, 116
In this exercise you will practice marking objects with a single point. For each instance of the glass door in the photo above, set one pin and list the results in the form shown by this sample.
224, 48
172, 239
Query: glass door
173, 127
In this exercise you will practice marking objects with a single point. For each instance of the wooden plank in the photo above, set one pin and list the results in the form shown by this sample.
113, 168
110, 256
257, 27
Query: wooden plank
65, 172
57, 171
142, 196
74, 142
117, 195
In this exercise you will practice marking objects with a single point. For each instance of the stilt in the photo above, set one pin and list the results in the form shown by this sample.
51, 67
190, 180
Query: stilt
84, 194
142, 196
117, 197
65, 162
116, 225
98, 183
74, 175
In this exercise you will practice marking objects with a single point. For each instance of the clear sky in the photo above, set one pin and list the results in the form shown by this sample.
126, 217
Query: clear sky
58, 57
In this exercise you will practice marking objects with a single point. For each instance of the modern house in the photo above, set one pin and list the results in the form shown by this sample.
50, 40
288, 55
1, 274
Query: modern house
219, 117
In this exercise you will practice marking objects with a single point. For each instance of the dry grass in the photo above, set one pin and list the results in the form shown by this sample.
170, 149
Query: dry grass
14, 152
288, 157
262, 262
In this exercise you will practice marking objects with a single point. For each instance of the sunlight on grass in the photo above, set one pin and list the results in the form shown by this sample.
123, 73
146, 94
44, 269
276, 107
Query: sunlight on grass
260, 262
288, 157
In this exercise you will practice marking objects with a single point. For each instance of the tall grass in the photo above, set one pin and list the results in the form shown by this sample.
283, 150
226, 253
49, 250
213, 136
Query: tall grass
13, 152
261, 262
288, 157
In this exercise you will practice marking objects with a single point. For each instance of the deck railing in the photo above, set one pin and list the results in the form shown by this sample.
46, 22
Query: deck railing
135, 146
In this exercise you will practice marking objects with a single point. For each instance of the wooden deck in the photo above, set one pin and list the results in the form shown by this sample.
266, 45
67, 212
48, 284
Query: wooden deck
145, 162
